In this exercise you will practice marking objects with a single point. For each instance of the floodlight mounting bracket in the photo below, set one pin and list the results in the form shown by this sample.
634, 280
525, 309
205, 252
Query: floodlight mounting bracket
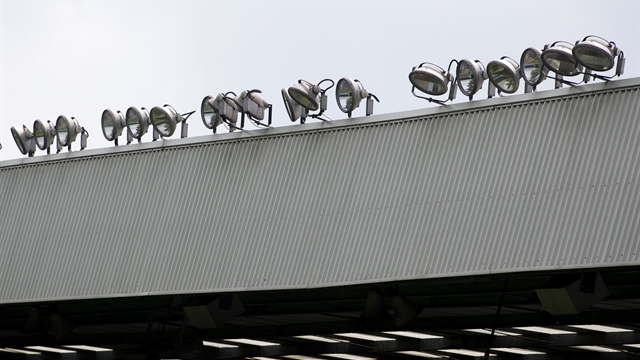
184, 129
232, 127
430, 99
323, 101
369, 110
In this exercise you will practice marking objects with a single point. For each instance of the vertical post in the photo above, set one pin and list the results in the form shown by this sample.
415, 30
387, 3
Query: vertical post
495, 322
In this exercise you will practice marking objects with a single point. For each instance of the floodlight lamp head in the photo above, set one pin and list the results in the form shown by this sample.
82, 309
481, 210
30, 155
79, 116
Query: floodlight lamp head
138, 121
532, 69
227, 108
165, 119
306, 94
113, 122
24, 140
67, 129
349, 94
294, 110
252, 104
470, 76
209, 111
430, 79
558, 57
504, 74
597, 54
44, 133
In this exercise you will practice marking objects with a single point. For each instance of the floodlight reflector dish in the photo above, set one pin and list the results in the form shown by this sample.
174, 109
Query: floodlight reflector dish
294, 110
44, 132
532, 68
137, 122
22, 137
209, 112
164, 119
595, 53
306, 94
504, 74
67, 128
470, 76
349, 93
112, 124
559, 58
430, 79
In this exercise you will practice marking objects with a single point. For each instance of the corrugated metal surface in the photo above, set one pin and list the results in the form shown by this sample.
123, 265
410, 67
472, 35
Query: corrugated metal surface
532, 182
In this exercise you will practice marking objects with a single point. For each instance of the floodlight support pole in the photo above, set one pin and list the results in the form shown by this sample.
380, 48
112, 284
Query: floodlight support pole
156, 135
559, 81
528, 88
491, 91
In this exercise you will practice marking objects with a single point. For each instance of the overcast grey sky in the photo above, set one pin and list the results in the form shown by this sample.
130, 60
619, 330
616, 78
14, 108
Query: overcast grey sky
78, 58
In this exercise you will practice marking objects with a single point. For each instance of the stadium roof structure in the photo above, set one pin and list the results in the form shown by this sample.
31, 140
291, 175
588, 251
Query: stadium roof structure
405, 235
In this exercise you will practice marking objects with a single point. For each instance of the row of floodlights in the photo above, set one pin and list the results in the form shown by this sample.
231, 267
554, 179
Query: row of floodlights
66, 130
299, 99
590, 54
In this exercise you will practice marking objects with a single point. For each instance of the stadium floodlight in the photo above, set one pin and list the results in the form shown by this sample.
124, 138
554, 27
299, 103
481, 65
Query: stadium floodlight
209, 113
138, 122
220, 109
67, 129
349, 94
113, 122
558, 57
532, 68
165, 119
310, 97
44, 133
504, 74
24, 140
470, 75
254, 106
433, 80
598, 54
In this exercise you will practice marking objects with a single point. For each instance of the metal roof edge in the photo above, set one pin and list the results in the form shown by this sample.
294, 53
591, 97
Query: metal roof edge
357, 121
499, 273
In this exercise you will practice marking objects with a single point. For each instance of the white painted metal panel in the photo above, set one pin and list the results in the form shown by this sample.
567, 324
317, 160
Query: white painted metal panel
530, 182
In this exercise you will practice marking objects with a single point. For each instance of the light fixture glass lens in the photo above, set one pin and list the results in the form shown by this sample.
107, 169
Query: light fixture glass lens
303, 100
560, 63
209, 116
18, 139
427, 82
503, 78
345, 95
134, 123
108, 125
62, 129
466, 78
531, 64
294, 113
39, 133
593, 57
162, 121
